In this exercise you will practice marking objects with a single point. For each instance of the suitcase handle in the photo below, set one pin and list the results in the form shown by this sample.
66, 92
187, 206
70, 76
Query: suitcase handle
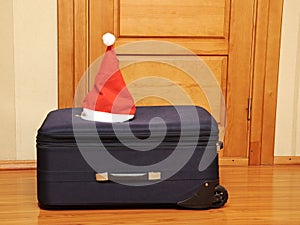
147, 176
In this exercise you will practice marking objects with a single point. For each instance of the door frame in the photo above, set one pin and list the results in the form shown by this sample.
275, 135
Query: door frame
266, 46
73, 59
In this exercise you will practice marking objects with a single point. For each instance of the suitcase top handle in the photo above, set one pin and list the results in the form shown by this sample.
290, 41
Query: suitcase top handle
147, 176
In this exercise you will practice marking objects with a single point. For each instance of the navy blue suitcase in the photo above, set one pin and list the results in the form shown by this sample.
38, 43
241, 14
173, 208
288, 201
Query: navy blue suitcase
165, 156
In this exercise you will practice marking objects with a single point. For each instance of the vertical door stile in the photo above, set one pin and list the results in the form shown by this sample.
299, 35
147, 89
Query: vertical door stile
238, 79
252, 71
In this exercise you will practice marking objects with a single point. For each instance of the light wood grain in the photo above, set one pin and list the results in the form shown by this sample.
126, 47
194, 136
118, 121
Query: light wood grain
271, 81
265, 76
99, 24
239, 78
258, 195
173, 18
101, 21
164, 83
230, 161
176, 22
65, 53
81, 48
199, 46
17, 164
287, 160
72, 51
258, 69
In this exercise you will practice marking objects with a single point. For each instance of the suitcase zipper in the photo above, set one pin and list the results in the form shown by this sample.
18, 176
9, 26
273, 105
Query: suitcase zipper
95, 140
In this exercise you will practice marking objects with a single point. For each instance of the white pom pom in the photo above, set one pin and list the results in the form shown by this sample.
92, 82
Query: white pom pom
108, 39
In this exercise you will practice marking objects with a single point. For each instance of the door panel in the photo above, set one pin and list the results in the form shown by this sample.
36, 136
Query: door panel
204, 39
165, 84
173, 18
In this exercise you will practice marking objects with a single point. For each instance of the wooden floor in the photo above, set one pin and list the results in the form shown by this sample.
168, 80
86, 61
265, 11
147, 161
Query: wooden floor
258, 195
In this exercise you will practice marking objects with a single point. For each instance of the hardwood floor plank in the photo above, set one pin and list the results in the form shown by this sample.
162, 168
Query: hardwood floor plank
257, 195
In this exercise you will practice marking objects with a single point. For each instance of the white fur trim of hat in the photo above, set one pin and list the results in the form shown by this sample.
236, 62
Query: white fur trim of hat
108, 39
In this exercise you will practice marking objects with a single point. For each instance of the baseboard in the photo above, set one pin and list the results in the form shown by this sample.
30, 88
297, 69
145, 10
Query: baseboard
287, 160
228, 161
223, 161
31, 164
17, 164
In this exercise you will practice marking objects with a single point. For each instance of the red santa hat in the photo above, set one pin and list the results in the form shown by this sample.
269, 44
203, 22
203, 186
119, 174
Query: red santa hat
109, 100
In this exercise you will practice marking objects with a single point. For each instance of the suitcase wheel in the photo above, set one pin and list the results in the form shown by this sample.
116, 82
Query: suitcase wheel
220, 197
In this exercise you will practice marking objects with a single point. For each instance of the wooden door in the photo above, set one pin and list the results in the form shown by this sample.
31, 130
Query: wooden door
222, 33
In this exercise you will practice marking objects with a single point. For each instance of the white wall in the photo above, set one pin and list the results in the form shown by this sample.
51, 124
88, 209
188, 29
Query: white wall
33, 76
287, 137
7, 82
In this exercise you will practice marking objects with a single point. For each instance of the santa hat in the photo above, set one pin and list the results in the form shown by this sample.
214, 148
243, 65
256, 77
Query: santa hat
109, 100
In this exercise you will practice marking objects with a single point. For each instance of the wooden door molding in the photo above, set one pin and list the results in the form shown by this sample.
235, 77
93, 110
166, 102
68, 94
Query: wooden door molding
265, 79
72, 48
65, 11
74, 56
239, 69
